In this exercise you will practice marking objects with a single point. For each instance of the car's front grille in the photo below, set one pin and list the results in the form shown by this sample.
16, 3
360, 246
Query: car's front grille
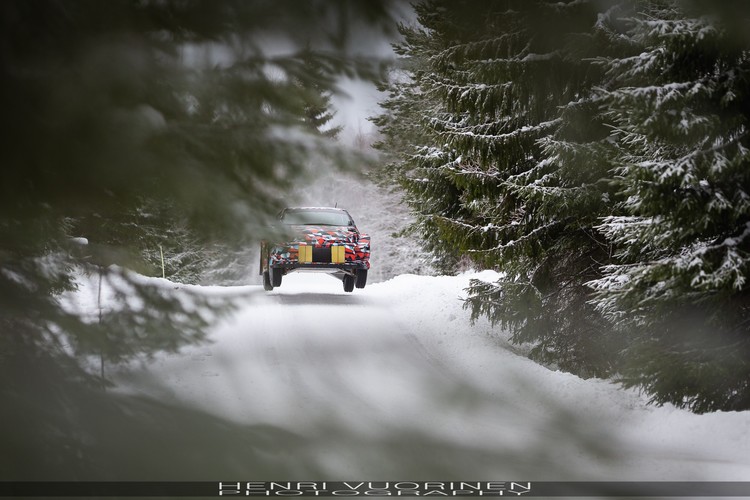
321, 254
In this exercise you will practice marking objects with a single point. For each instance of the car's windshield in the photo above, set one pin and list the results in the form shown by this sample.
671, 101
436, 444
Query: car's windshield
317, 217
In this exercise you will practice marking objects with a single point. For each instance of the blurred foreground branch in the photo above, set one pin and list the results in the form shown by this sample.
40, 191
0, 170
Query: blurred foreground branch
132, 124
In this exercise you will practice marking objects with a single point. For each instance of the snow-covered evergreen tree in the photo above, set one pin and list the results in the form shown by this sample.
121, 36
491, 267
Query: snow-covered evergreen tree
404, 129
511, 169
678, 102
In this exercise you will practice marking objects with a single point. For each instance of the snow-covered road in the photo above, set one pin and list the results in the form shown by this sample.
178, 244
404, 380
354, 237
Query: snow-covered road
393, 382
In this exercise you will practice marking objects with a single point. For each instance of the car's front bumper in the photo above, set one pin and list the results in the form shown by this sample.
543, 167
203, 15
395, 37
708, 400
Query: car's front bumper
335, 257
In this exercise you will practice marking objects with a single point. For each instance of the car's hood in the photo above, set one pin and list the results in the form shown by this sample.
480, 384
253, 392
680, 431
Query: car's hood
326, 234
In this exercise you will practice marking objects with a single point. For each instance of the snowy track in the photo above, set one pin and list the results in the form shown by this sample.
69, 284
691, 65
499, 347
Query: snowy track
392, 382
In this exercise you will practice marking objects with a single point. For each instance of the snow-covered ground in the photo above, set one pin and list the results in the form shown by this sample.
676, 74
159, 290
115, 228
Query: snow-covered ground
393, 382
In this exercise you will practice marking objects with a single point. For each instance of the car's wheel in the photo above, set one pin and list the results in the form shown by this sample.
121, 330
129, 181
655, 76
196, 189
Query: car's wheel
276, 275
267, 281
361, 278
348, 283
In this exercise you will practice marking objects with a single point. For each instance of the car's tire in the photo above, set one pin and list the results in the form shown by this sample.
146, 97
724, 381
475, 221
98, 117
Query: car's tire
348, 283
361, 280
267, 282
276, 275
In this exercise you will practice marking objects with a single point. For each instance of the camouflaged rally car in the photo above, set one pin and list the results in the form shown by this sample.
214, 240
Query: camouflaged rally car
317, 239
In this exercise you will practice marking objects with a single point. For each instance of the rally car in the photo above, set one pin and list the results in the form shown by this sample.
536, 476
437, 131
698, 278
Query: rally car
317, 239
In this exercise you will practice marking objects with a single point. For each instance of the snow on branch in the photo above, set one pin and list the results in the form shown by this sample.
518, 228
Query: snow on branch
478, 48
697, 29
514, 243
451, 129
